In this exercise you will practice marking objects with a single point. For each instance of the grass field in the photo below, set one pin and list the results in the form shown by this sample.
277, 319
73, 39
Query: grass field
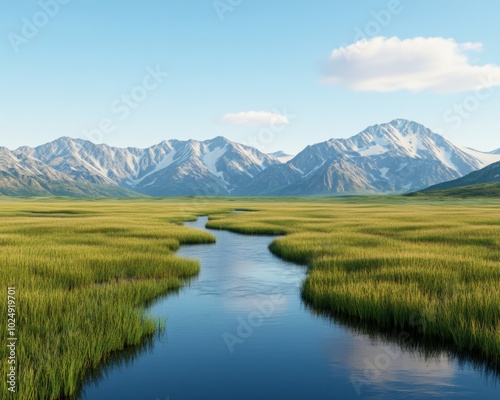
85, 270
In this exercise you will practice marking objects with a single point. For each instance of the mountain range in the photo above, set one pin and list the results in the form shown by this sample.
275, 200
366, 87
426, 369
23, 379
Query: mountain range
396, 157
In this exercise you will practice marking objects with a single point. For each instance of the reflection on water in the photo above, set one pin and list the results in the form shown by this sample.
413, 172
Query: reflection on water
120, 359
240, 331
412, 342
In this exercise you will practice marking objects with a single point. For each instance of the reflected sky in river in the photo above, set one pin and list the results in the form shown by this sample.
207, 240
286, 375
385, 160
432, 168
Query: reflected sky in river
240, 330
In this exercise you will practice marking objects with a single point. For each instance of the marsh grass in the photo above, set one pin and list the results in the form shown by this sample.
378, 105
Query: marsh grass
84, 272
391, 263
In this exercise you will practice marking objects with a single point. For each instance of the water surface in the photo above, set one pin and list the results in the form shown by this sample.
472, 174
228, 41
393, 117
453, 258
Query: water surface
239, 330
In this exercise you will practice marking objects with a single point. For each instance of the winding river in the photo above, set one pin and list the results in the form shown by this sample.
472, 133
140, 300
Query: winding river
239, 330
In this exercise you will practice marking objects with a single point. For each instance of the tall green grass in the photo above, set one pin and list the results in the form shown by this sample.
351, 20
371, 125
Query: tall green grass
83, 272
393, 263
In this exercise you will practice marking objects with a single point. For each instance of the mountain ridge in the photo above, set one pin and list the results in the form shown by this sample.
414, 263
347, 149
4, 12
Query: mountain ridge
172, 167
396, 157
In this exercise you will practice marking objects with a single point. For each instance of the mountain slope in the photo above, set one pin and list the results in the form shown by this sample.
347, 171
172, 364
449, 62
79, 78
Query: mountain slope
23, 175
396, 157
489, 174
212, 167
471, 191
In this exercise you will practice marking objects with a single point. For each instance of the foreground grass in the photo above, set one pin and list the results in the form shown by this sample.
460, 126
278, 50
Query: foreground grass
84, 271
411, 266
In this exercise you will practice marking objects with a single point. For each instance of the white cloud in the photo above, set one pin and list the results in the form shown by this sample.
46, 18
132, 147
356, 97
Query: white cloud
254, 117
390, 64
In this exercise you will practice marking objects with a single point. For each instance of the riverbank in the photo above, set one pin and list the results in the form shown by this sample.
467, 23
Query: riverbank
83, 272
431, 268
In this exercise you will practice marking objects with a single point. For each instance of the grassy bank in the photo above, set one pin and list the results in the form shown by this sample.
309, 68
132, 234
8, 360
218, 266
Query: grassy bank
431, 267
83, 272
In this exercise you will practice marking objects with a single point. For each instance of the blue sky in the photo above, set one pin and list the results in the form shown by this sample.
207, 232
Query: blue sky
259, 72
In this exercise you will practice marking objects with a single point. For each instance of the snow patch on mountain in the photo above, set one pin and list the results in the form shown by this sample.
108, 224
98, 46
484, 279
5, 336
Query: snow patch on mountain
383, 172
375, 150
210, 159
484, 158
281, 156
167, 160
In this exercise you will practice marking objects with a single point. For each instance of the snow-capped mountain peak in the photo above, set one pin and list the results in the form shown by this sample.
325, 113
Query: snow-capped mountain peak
398, 156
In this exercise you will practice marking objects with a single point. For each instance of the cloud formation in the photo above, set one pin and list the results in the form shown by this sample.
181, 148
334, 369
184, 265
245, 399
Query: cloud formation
254, 117
384, 64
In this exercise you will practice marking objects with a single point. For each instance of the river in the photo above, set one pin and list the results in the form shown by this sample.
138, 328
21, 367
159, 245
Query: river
240, 330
